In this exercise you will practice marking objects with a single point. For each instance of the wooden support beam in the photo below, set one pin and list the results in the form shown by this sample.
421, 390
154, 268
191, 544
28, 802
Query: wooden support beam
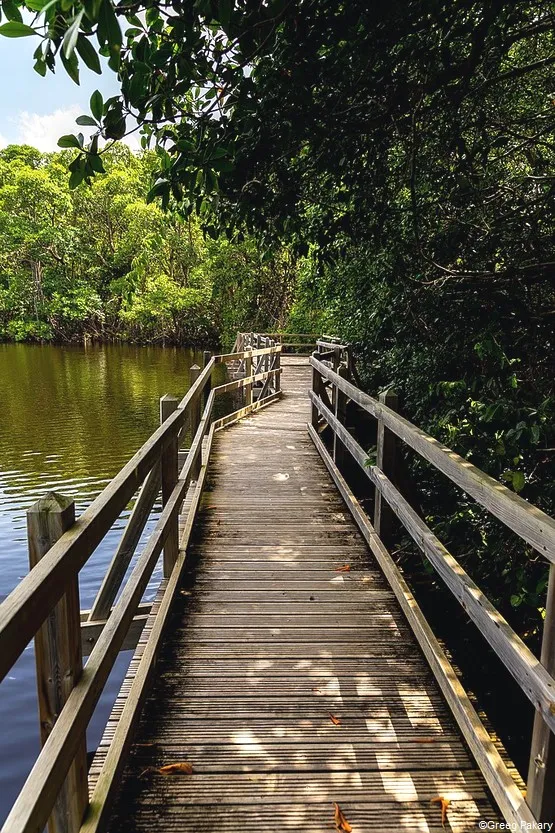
540, 792
385, 460
58, 657
168, 476
91, 630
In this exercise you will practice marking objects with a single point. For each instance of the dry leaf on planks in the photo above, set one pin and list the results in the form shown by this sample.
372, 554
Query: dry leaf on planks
341, 822
444, 804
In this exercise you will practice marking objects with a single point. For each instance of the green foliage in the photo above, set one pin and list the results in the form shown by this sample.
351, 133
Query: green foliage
405, 148
100, 262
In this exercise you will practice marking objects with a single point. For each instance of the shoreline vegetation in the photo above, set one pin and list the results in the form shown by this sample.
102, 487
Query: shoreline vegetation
99, 263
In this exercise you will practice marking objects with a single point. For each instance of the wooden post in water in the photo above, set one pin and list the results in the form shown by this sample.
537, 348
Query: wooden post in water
58, 656
341, 414
385, 460
540, 789
169, 474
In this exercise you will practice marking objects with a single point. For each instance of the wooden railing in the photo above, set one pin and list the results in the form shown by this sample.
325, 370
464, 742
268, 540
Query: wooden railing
45, 605
333, 387
302, 343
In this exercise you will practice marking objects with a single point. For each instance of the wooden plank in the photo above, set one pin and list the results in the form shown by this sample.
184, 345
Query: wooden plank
506, 793
416, 815
388, 787
529, 522
337, 757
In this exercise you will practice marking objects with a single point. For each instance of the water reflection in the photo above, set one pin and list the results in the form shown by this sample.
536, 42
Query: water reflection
70, 417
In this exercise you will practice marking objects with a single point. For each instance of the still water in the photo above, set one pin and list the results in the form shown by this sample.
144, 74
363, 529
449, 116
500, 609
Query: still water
70, 417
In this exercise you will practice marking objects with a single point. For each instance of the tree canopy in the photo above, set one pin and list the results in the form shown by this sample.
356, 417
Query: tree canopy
100, 262
403, 151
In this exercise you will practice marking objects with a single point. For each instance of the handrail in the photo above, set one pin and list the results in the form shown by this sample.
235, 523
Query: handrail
32, 601
537, 684
530, 523
536, 678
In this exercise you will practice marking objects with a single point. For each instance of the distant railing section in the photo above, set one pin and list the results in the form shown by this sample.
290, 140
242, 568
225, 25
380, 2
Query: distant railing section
45, 605
301, 343
334, 388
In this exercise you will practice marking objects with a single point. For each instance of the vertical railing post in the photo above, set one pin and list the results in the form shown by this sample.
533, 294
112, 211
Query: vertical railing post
169, 474
385, 460
341, 415
195, 418
316, 382
58, 656
277, 375
206, 356
336, 361
248, 388
540, 790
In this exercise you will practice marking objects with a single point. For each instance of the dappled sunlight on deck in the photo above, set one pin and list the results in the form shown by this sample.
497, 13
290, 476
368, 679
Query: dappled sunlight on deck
290, 680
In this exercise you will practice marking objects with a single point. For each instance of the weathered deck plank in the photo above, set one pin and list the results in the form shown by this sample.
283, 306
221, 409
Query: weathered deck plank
268, 641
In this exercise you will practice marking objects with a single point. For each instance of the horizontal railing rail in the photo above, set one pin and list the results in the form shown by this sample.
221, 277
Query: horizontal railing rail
45, 604
332, 390
294, 341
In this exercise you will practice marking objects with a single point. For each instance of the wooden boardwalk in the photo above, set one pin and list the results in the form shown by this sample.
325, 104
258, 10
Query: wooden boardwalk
289, 685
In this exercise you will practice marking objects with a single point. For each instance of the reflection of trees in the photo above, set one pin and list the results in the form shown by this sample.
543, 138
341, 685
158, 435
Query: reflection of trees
74, 413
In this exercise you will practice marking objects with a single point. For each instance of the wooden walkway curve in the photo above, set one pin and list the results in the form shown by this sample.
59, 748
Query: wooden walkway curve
289, 685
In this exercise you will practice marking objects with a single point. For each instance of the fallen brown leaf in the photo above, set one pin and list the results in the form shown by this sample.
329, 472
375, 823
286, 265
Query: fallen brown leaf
341, 822
184, 768
423, 740
344, 569
444, 803
335, 720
